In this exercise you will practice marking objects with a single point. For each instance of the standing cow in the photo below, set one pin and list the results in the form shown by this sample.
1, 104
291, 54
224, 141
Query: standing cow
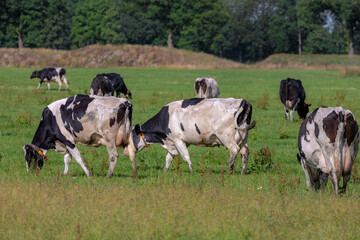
200, 122
206, 87
101, 86
118, 84
328, 143
292, 95
83, 119
51, 74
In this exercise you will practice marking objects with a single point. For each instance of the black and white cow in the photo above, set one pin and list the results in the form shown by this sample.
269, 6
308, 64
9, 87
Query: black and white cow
101, 86
200, 122
292, 95
328, 143
206, 87
51, 74
83, 119
118, 84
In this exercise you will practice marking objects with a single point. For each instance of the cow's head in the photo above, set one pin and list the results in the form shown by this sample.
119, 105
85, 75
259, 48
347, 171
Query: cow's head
34, 74
139, 139
34, 159
128, 94
303, 109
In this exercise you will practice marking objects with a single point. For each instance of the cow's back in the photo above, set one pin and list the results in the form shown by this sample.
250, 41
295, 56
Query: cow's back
84, 115
208, 116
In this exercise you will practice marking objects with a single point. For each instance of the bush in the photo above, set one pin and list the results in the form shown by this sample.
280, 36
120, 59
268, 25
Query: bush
262, 161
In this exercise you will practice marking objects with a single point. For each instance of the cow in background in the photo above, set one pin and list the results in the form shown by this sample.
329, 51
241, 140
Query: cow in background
328, 143
51, 75
206, 87
199, 122
83, 119
118, 84
292, 95
101, 86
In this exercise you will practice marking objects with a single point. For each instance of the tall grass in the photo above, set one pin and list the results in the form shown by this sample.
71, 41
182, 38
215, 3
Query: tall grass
206, 204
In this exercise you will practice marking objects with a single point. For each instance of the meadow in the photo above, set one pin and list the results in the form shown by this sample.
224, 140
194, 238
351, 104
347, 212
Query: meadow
270, 202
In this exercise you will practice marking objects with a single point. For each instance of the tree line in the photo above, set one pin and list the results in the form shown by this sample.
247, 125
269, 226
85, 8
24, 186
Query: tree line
241, 30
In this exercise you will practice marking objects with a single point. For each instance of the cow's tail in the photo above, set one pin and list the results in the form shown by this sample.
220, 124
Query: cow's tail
124, 131
243, 117
127, 123
128, 142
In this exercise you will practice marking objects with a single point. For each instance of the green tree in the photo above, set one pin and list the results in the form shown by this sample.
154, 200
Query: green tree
283, 27
347, 13
3, 22
56, 27
86, 28
248, 29
201, 23
14, 29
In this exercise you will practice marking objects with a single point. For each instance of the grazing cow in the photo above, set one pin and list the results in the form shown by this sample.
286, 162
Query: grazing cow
51, 74
83, 119
328, 143
206, 87
200, 122
101, 86
117, 83
292, 95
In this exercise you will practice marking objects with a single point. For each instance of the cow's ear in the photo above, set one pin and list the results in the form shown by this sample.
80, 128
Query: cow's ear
137, 129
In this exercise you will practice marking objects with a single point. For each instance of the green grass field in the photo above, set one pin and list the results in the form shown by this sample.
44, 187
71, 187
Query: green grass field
206, 204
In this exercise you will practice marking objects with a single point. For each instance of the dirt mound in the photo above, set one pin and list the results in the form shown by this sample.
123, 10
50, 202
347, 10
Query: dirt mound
102, 56
310, 61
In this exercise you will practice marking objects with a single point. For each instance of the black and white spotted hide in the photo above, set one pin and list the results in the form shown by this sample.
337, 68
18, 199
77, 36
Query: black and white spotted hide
206, 87
101, 86
292, 95
51, 75
117, 83
328, 143
200, 122
83, 119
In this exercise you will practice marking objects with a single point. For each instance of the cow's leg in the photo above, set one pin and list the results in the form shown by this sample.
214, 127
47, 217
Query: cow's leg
169, 158
334, 181
286, 113
113, 156
48, 85
244, 151
291, 115
58, 80
67, 160
132, 154
66, 82
38, 86
234, 150
182, 149
60, 84
346, 178
76, 154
